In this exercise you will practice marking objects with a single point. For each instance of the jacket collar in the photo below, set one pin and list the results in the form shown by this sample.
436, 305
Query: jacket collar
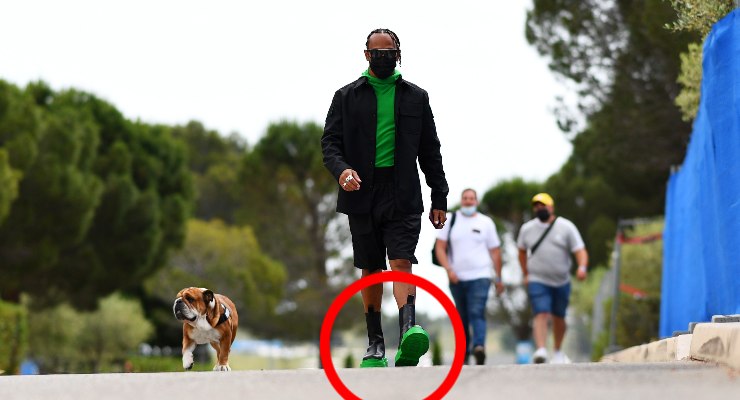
363, 80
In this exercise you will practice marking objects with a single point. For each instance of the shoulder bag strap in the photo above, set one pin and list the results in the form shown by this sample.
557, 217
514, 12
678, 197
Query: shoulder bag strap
536, 245
449, 232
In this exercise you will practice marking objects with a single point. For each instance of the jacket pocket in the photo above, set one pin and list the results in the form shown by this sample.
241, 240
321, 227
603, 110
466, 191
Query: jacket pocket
409, 119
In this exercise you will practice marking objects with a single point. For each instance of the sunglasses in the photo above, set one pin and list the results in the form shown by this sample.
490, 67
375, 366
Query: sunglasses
384, 53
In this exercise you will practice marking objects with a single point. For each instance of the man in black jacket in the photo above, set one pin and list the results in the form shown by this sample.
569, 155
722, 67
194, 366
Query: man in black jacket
376, 129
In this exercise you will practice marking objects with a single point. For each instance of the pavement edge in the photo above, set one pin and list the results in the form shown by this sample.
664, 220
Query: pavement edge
710, 342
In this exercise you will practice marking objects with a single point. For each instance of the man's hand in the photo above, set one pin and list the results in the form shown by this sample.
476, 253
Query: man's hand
349, 180
452, 276
582, 273
438, 218
499, 288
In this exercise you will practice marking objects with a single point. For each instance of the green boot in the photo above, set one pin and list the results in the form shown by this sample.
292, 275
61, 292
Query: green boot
414, 340
375, 355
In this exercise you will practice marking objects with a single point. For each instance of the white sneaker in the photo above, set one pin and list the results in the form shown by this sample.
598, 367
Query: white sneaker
540, 356
560, 358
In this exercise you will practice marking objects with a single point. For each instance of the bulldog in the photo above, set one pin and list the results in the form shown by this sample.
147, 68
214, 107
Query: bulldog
207, 318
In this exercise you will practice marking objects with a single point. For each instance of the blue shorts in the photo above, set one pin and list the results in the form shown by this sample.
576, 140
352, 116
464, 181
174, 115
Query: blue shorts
548, 299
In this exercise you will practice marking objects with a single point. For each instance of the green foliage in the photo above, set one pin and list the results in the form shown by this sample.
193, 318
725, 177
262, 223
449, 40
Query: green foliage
225, 259
642, 263
13, 336
690, 80
583, 40
8, 185
163, 364
624, 65
436, 352
18, 137
289, 199
583, 293
699, 15
599, 346
349, 361
98, 196
513, 309
113, 331
65, 340
591, 204
509, 200
281, 190
214, 162
695, 16
638, 316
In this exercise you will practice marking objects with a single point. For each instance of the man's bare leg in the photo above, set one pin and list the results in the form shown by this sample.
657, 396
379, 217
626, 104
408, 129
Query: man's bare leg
558, 331
372, 297
402, 290
413, 340
539, 333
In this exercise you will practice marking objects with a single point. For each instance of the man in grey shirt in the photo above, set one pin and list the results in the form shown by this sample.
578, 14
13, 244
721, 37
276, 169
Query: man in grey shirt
545, 245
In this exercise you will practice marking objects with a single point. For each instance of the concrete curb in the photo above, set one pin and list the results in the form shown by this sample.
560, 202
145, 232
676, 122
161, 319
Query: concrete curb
711, 342
717, 342
670, 349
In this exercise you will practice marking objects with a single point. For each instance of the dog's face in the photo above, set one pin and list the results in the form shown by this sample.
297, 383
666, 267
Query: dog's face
192, 303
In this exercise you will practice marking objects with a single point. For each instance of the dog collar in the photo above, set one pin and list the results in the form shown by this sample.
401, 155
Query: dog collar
226, 314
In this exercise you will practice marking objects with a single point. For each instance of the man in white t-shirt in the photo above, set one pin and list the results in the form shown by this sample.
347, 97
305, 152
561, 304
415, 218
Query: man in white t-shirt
469, 250
545, 258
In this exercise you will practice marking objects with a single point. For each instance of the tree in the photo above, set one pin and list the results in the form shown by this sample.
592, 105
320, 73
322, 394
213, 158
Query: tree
695, 16
699, 15
13, 336
18, 137
281, 190
8, 185
690, 80
66, 340
509, 201
225, 259
513, 309
289, 199
112, 332
214, 162
625, 65
99, 197
583, 40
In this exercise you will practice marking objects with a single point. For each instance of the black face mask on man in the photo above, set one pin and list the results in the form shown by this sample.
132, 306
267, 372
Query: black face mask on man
543, 214
383, 65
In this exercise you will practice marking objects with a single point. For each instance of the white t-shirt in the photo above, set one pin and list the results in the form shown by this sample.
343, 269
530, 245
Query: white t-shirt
471, 240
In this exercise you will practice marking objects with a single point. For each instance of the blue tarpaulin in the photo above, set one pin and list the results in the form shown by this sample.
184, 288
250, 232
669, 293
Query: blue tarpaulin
701, 252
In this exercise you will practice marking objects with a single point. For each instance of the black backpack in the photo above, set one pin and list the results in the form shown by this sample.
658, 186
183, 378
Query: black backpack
435, 261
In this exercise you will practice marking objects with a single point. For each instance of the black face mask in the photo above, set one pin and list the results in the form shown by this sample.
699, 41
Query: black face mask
543, 214
382, 67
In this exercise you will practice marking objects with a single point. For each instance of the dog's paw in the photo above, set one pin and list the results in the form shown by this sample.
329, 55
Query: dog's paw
222, 367
187, 361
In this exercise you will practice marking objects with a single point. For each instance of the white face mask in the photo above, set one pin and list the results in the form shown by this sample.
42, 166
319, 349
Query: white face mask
468, 211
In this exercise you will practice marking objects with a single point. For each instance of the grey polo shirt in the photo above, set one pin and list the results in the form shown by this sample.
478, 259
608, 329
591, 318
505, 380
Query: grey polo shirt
552, 261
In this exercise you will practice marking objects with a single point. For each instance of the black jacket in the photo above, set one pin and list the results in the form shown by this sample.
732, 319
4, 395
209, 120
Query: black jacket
349, 142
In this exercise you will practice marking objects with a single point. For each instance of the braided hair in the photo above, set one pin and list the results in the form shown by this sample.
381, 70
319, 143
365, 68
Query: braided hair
392, 35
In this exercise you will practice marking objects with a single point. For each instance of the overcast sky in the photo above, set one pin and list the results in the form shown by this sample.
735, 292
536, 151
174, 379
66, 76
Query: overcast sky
236, 66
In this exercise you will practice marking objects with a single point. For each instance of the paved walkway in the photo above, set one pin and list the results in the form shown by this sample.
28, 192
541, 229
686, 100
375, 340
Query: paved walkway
603, 381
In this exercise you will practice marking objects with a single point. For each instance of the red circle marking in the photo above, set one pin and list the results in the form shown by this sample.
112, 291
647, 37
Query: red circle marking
391, 276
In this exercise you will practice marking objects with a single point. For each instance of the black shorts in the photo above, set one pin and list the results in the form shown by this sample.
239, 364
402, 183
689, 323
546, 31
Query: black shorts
384, 229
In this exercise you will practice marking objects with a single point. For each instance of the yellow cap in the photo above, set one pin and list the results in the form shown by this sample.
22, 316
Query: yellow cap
543, 198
